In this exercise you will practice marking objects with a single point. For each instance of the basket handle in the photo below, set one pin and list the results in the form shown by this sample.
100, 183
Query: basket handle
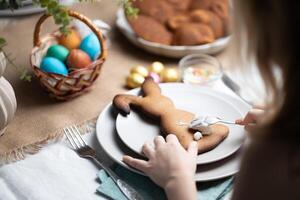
84, 19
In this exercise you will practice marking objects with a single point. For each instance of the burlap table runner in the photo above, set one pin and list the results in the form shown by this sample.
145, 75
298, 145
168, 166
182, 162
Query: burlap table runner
40, 118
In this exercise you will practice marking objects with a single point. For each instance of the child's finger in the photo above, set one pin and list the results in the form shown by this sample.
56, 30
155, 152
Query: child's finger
148, 150
136, 163
250, 118
193, 148
239, 122
158, 141
172, 138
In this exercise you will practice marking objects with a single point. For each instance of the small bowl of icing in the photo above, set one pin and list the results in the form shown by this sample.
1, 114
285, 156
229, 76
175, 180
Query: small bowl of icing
200, 69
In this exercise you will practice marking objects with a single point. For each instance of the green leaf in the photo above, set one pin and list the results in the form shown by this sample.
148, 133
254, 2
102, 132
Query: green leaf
24, 74
2, 41
52, 4
43, 3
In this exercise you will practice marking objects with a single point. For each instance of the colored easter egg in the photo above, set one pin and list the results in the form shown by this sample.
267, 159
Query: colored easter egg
140, 70
53, 65
71, 40
170, 75
91, 45
58, 51
78, 59
155, 77
134, 80
156, 67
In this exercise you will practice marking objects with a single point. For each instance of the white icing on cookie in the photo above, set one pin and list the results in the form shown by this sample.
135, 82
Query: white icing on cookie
200, 124
198, 135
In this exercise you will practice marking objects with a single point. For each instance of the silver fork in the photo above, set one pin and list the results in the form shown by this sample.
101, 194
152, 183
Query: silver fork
83, 150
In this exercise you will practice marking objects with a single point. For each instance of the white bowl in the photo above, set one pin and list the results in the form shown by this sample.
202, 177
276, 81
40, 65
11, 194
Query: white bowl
167, 50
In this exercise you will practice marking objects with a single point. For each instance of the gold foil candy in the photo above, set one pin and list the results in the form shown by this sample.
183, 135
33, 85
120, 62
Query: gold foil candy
140, 70
170, 75
157, 67
134, 80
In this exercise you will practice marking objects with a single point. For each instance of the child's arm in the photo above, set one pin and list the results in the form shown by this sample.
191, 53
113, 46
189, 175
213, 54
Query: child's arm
182, 188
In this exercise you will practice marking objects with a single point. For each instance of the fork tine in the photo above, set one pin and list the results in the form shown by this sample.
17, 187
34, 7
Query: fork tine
69, 139
74, 139
76, 136
75, 127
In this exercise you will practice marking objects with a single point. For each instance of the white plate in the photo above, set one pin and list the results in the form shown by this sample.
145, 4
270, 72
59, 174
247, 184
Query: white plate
134, 129
168, 50
116, 149
26, 10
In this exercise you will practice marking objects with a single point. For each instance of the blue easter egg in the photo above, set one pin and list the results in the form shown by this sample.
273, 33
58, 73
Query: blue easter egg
91, 45
53, 65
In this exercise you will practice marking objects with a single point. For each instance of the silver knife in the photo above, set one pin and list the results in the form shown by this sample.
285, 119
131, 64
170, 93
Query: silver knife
234, 87
126, 189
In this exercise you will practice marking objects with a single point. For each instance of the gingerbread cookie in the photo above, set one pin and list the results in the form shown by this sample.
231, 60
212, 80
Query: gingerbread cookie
150, 30
209, 18
220, 8
178, 20
193, 34
200, 4
157, 9
180, 5
160, 107
184, 22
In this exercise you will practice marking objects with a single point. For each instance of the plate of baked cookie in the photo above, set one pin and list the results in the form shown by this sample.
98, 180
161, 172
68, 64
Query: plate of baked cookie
161, 110
115, 147
177, 28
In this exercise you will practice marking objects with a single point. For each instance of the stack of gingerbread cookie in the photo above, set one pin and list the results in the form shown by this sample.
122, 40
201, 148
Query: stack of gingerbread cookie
180, 22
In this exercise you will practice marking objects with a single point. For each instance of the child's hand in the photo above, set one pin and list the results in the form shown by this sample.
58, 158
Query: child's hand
251, 119
169, 163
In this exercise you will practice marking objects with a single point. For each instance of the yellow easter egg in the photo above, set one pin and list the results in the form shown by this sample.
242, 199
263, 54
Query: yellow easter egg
170, 75
134, 80
140, 70
71, 41
157, 67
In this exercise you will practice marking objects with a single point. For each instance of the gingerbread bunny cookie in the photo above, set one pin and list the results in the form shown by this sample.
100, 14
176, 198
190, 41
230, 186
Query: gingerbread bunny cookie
160, 107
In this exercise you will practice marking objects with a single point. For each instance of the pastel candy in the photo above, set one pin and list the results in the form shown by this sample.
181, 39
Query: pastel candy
154, 76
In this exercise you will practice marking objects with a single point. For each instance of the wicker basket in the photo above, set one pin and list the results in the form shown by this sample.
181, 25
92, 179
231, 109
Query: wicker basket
77, 82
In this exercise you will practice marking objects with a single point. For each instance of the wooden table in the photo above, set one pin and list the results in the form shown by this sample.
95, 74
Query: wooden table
38, 117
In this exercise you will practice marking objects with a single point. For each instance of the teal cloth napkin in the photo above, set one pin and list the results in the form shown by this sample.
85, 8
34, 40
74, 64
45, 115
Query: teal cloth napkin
213, 190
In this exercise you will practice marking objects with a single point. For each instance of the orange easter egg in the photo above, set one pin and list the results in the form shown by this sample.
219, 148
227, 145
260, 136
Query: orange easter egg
71, 41
78, 59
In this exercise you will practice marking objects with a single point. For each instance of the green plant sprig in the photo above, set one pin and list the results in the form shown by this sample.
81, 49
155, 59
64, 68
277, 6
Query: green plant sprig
58, 11
130, 10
